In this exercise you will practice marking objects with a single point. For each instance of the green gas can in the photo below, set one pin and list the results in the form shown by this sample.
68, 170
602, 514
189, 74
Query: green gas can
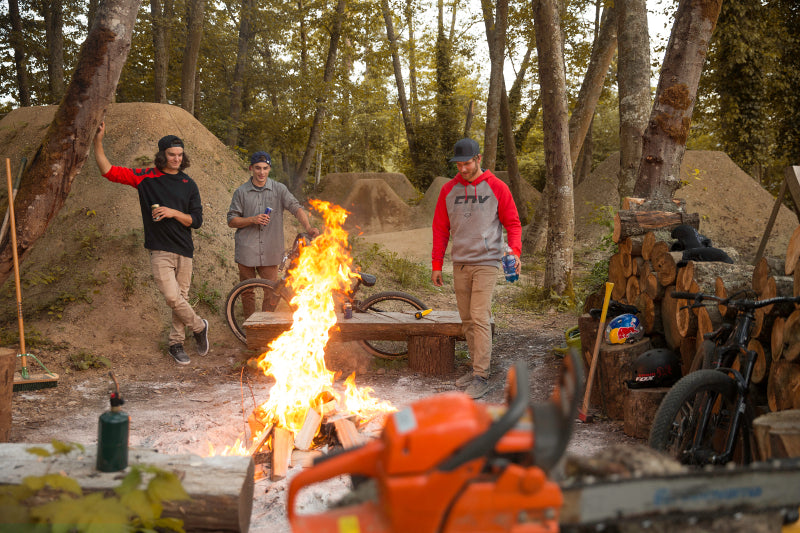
112, 435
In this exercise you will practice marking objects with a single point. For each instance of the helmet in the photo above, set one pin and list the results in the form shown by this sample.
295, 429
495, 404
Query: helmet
659, 367
624, 328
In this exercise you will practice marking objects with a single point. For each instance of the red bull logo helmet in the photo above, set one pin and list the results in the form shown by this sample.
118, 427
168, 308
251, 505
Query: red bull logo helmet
624, 328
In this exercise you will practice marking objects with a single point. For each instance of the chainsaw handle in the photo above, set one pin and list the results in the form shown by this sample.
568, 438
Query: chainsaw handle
362, 460
482, 445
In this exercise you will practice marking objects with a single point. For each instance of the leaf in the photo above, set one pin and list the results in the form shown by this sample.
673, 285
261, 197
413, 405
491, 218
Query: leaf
175, 524
140, 505
130, 482
38, 450
61, 482
13, 512
62, 447
166, 486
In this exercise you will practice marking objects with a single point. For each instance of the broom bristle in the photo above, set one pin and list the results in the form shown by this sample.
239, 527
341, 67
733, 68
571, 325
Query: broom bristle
35, 382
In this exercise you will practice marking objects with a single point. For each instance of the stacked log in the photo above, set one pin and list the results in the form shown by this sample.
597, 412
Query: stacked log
645, 273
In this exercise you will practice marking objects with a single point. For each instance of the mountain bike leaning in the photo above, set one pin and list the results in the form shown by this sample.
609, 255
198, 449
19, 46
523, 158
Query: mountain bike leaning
706, 417
275, 296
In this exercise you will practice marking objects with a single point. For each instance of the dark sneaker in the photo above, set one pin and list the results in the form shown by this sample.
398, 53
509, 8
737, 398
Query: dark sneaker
177, 353
202, 339
464, 380
478, 388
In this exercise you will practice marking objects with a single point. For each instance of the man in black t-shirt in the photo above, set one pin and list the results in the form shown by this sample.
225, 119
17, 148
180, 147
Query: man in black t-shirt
171, 207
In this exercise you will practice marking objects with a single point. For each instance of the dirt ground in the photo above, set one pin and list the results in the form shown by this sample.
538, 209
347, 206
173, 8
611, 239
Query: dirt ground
90, 300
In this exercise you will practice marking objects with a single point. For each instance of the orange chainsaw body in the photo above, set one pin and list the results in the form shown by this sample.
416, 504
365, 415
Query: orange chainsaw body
421, 488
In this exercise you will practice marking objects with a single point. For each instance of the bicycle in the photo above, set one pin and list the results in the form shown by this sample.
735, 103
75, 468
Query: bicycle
276, 296
706, 417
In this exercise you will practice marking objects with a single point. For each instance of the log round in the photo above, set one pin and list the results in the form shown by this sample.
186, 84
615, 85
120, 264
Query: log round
647, 313
431, 355
763, 360
685, 277
640, 410
616, 365
669, 314
778, 434
648, 241
760, 275
776, 337
783, 387
792, 252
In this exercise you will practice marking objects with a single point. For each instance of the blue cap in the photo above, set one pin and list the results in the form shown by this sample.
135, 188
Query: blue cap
260, 157
465, 150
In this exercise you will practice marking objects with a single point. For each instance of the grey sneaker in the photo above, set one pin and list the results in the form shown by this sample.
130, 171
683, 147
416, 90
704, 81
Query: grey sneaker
202, 339
464, 380
177, 353
478, 388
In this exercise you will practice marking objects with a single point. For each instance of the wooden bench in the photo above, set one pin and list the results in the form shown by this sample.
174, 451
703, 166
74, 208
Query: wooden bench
431, 339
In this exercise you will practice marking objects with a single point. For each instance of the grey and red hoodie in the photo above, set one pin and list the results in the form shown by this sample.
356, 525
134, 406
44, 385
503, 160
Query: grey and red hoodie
474, 215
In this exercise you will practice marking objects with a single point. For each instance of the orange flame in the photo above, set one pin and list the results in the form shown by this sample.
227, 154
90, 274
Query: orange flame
361, 402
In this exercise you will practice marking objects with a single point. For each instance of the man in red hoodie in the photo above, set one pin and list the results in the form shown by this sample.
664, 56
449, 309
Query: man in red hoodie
472, 210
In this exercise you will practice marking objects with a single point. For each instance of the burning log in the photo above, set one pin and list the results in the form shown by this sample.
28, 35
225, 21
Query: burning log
265, 433
282, 444
302, 440
348, 433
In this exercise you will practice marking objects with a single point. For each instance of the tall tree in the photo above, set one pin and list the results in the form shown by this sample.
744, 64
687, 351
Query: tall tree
321, 100
552, 75
20, 61
53, 12
785, 93
237, 88
633, 82
195, 14
161, 15
664, 141
47, 181
496, 37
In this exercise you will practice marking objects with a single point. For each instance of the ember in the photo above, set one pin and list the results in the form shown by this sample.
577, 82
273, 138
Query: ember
304, 394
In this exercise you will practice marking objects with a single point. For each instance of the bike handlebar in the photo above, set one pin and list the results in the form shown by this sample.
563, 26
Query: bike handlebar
744, 303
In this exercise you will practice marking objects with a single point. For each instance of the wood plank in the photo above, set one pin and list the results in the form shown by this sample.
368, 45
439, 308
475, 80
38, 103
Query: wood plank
348, 433
220, 487
282, 446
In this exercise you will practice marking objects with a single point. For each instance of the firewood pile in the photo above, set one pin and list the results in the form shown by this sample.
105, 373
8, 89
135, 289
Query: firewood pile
645, 273
325, 428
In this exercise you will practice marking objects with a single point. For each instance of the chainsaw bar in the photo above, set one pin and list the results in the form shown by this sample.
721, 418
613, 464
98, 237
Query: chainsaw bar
714, 491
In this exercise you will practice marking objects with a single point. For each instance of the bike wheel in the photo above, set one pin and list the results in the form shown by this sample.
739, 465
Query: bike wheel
694, 420
383, 302
266, 297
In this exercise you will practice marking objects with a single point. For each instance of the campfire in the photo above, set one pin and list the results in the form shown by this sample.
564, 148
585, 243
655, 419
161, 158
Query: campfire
304, 398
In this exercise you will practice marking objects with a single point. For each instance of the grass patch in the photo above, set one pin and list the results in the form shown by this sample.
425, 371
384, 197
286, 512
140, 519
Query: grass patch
406, 274
85, 360
127, 276
206, 296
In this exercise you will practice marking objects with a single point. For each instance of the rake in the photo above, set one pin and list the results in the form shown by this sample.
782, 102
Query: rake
24, 380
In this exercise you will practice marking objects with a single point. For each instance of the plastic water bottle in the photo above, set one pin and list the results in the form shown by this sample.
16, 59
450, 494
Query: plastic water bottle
510, 266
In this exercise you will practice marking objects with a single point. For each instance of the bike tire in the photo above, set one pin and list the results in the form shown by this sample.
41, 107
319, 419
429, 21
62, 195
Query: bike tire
261, 289
676, 422
389, 301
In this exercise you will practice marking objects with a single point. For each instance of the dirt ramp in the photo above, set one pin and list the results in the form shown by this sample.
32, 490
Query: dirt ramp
734, 209
337, 186
530, 195
428, 204
376, 208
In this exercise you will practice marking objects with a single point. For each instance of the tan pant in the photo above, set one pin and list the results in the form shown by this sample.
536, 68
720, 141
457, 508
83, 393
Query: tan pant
474, 285
173, 275
248, 299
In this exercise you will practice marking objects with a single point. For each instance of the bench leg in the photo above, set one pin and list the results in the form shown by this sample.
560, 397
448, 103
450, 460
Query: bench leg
431, 355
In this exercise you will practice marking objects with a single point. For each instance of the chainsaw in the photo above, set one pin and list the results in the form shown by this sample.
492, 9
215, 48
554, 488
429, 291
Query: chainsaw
449, 464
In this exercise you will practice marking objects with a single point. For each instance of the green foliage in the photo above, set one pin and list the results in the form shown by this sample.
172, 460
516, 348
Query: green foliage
127, 276
85, 360
539, 299
132, 507
205, 295
377, 259
603, 215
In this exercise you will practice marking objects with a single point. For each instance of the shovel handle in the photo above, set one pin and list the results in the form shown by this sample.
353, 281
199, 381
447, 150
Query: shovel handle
595, 353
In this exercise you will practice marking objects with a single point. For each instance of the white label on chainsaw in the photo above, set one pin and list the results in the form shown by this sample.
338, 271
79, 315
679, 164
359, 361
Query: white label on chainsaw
405, 420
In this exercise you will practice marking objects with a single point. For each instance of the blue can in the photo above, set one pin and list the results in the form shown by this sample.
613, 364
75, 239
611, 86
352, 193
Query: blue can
267, 211
509, 268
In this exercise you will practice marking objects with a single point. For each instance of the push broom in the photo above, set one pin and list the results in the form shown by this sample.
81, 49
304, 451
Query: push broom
583, 412
26, 380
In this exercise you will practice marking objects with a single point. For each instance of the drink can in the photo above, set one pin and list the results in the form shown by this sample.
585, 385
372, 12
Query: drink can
509, 268
267, 211
153, 208
348, 310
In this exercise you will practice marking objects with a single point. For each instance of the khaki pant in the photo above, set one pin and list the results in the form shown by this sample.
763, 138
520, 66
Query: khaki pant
173, 275
474, 285
248, 299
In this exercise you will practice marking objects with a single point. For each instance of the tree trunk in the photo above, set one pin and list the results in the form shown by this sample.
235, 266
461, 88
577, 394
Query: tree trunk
412, 63
20, 62
237, 88
408, 121
54, 36
319, 115
664, 141
561, 220
195, 13
633, 81
511, 156
161, 40
602, 53
496, 38
48, 179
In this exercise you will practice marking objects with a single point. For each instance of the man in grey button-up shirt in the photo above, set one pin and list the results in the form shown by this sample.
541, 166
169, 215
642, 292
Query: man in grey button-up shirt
259, 238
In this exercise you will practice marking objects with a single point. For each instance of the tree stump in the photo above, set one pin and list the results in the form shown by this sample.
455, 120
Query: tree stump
8, 363
431, 355
640, 410
615, 367
778, 434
